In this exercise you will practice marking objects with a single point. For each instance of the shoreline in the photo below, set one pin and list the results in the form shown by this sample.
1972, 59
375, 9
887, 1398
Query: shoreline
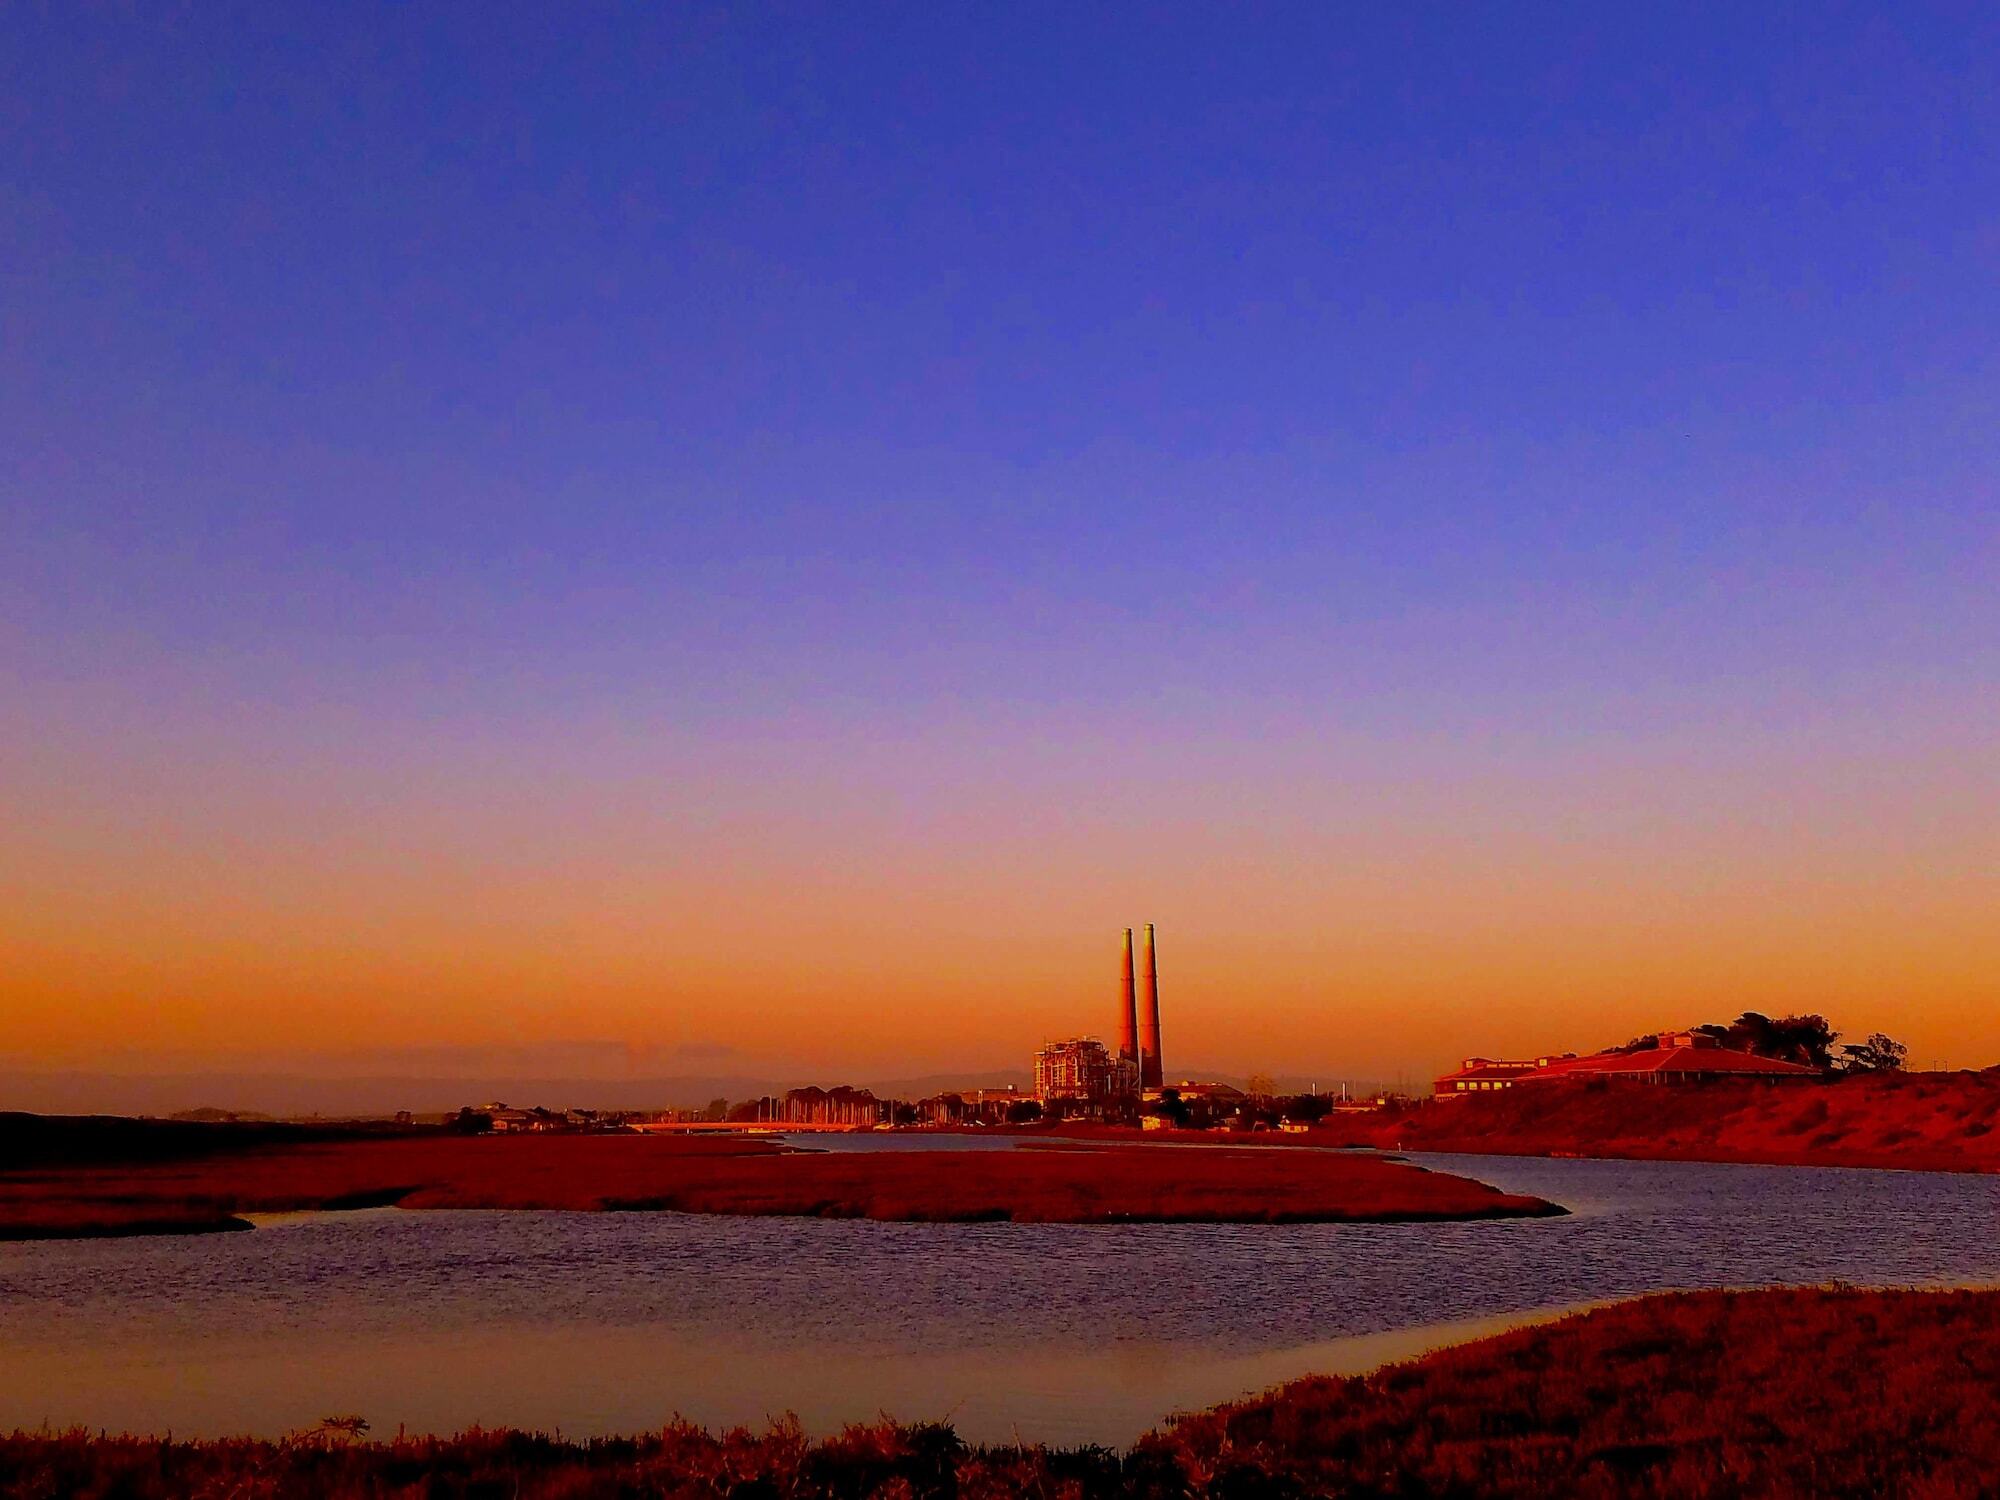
1474, 1145
1106, 1183
1912, 1122
1896, 1122
1826, 1390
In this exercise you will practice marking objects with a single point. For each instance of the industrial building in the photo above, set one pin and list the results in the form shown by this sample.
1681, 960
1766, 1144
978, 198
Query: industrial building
1080, 1070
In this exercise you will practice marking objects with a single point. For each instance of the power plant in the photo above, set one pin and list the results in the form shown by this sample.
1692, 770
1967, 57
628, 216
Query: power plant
1083, 1069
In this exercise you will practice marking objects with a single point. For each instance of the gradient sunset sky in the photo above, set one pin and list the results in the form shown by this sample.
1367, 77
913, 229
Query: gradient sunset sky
775, 533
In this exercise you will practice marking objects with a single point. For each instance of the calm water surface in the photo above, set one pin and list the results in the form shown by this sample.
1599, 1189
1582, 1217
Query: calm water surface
613, 1322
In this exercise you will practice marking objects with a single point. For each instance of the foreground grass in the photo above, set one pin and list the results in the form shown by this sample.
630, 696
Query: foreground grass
1110, 1183
1778, 1393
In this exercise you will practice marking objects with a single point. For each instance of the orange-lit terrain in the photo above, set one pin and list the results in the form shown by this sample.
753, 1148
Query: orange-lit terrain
1798, 1392
1774, 1393
1112, 1183
1939, 1122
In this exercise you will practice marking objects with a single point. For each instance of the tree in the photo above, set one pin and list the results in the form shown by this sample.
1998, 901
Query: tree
1023, 1112
1879, 1054
1308, 1109
1804, 1039
1809, 1039
469, 1121
1251, 1112
333, 1432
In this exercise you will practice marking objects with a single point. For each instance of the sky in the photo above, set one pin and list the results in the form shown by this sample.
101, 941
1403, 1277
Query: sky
763, 538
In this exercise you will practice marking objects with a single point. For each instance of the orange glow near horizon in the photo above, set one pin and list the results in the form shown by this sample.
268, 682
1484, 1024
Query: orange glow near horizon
1324, 910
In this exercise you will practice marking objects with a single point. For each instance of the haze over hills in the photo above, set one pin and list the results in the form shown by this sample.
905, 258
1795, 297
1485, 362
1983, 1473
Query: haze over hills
283, 1095
286, 1094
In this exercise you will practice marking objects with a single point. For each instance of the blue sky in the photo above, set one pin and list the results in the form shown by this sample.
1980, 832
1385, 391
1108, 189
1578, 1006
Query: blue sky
729, 285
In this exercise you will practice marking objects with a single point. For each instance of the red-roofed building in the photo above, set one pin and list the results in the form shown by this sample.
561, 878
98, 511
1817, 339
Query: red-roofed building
1677, 1057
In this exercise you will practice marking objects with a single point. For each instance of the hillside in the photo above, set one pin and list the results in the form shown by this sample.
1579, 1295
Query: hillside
1923, 1121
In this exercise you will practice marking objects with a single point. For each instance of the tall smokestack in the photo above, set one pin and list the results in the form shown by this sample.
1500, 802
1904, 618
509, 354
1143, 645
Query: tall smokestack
1150, 1074
1128, 1028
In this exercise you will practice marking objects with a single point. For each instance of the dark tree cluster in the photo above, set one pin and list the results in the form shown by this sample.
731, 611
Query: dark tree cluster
1809, 1039
1231, 1111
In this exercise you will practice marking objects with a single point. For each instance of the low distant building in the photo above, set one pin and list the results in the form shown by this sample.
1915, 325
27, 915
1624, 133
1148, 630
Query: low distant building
536, 1121
998, 1106
1188, 1090
1676, 1057
1371, 1105
999, 1098
1483, 1075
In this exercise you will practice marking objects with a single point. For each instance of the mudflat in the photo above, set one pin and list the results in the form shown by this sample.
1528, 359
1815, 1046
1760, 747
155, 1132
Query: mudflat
1102, 1183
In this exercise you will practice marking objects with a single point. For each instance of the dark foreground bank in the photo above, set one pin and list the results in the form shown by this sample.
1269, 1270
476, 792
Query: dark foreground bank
1776, 1393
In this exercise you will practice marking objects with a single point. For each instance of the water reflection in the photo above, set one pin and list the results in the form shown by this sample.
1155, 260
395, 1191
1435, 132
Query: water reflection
600, 1322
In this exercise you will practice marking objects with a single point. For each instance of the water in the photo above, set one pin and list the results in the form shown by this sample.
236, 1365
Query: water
613, 1322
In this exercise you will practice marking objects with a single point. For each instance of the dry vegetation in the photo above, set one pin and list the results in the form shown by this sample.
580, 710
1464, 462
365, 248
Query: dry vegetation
1778, 1394
1821, 1392
1948, 1122
1109, 1184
